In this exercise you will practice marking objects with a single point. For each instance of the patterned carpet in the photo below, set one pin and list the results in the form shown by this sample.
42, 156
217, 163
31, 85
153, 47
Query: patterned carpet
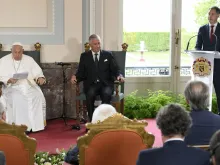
58, 135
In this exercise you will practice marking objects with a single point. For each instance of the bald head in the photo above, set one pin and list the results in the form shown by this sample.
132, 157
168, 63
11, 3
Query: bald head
197, 95
17, 51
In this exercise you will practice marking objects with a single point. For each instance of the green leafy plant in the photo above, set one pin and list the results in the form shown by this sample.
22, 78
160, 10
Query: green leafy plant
44, 158
141, 107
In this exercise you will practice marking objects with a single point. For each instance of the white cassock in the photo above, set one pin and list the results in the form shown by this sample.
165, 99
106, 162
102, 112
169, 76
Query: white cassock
25, 101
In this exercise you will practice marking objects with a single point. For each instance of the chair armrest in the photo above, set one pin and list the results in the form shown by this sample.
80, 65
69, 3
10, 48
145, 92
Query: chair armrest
77, 89
117, 83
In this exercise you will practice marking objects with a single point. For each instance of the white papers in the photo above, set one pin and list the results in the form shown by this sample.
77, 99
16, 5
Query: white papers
19, 76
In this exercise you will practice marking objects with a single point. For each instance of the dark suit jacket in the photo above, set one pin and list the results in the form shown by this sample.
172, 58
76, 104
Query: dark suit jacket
173, 153
2, 158
205, 124
108, 69
203, 39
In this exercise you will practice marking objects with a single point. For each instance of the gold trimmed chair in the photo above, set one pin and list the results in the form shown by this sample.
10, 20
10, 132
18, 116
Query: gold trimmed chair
17, 147
203, 147
116, 140
117, 99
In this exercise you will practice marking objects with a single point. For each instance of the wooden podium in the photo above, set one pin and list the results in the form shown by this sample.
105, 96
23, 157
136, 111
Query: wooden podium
202, 67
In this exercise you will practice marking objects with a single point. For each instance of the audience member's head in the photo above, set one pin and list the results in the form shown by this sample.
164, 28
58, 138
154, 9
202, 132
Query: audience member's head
17, 51
197, 95
2, 112
102, 112
215, 148
173, 121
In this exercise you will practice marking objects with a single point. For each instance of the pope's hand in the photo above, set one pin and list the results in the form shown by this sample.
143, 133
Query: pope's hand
73, 79
41, 81
12, 81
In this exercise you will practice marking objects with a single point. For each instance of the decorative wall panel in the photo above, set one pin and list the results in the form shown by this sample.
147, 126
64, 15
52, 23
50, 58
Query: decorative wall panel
49, 30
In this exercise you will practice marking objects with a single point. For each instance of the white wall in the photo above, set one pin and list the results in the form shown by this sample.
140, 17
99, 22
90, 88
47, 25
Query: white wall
71, 49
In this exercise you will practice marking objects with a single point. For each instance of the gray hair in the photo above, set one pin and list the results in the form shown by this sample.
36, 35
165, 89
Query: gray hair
102, 112
197, 95
173, 120
214, 146
94, 36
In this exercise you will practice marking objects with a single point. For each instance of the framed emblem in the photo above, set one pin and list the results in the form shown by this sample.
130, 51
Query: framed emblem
201, 67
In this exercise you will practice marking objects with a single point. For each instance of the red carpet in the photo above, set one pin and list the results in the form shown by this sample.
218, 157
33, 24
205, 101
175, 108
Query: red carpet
57, 135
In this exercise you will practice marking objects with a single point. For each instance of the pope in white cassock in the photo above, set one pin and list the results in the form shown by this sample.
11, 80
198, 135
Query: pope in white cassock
24, 99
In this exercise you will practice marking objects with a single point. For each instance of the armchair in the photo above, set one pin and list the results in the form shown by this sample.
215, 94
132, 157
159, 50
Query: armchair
117, 99
17, 147
116, 140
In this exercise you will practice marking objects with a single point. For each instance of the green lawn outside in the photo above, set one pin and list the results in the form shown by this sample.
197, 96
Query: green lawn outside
153, 59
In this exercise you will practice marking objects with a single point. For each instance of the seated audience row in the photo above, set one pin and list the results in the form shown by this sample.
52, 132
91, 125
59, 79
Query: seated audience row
174, 123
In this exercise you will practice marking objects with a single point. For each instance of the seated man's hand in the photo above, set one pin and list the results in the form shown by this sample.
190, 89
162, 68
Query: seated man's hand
73, 79
120, 78
12, 81
41, 81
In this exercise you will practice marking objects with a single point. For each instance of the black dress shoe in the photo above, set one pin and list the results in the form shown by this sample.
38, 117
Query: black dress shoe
76, 126
27, 132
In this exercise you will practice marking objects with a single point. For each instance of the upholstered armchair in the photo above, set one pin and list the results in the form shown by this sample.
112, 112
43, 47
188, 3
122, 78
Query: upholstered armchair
116, 140
118, 95
18, 148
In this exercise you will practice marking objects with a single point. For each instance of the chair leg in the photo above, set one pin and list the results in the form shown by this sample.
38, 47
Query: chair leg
117, 106
122, 106
85, 113
77, 125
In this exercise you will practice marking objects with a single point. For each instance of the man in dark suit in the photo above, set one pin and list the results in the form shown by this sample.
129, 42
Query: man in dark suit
205, 123
174, 122
209, 40
98, 70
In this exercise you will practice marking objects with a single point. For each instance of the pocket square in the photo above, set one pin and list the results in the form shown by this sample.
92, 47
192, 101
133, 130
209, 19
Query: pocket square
105, 60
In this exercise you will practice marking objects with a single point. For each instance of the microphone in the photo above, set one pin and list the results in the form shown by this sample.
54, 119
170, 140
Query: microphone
190, 40
62, 63
216, 39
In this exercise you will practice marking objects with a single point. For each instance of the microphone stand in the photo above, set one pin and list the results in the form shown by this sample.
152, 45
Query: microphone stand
64, 94
216, 40
187, 47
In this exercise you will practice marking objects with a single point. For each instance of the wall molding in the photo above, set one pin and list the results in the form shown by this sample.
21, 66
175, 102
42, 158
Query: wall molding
50, 35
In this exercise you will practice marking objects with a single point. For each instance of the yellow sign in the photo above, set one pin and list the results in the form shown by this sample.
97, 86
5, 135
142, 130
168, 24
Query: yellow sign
201, 67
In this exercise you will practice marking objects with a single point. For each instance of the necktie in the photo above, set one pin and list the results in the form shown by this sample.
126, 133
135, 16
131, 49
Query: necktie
211, 33
97, 67
96, 61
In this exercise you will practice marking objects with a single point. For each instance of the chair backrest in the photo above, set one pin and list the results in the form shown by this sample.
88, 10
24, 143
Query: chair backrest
17, 147
116, 140
120, 58
35, 54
